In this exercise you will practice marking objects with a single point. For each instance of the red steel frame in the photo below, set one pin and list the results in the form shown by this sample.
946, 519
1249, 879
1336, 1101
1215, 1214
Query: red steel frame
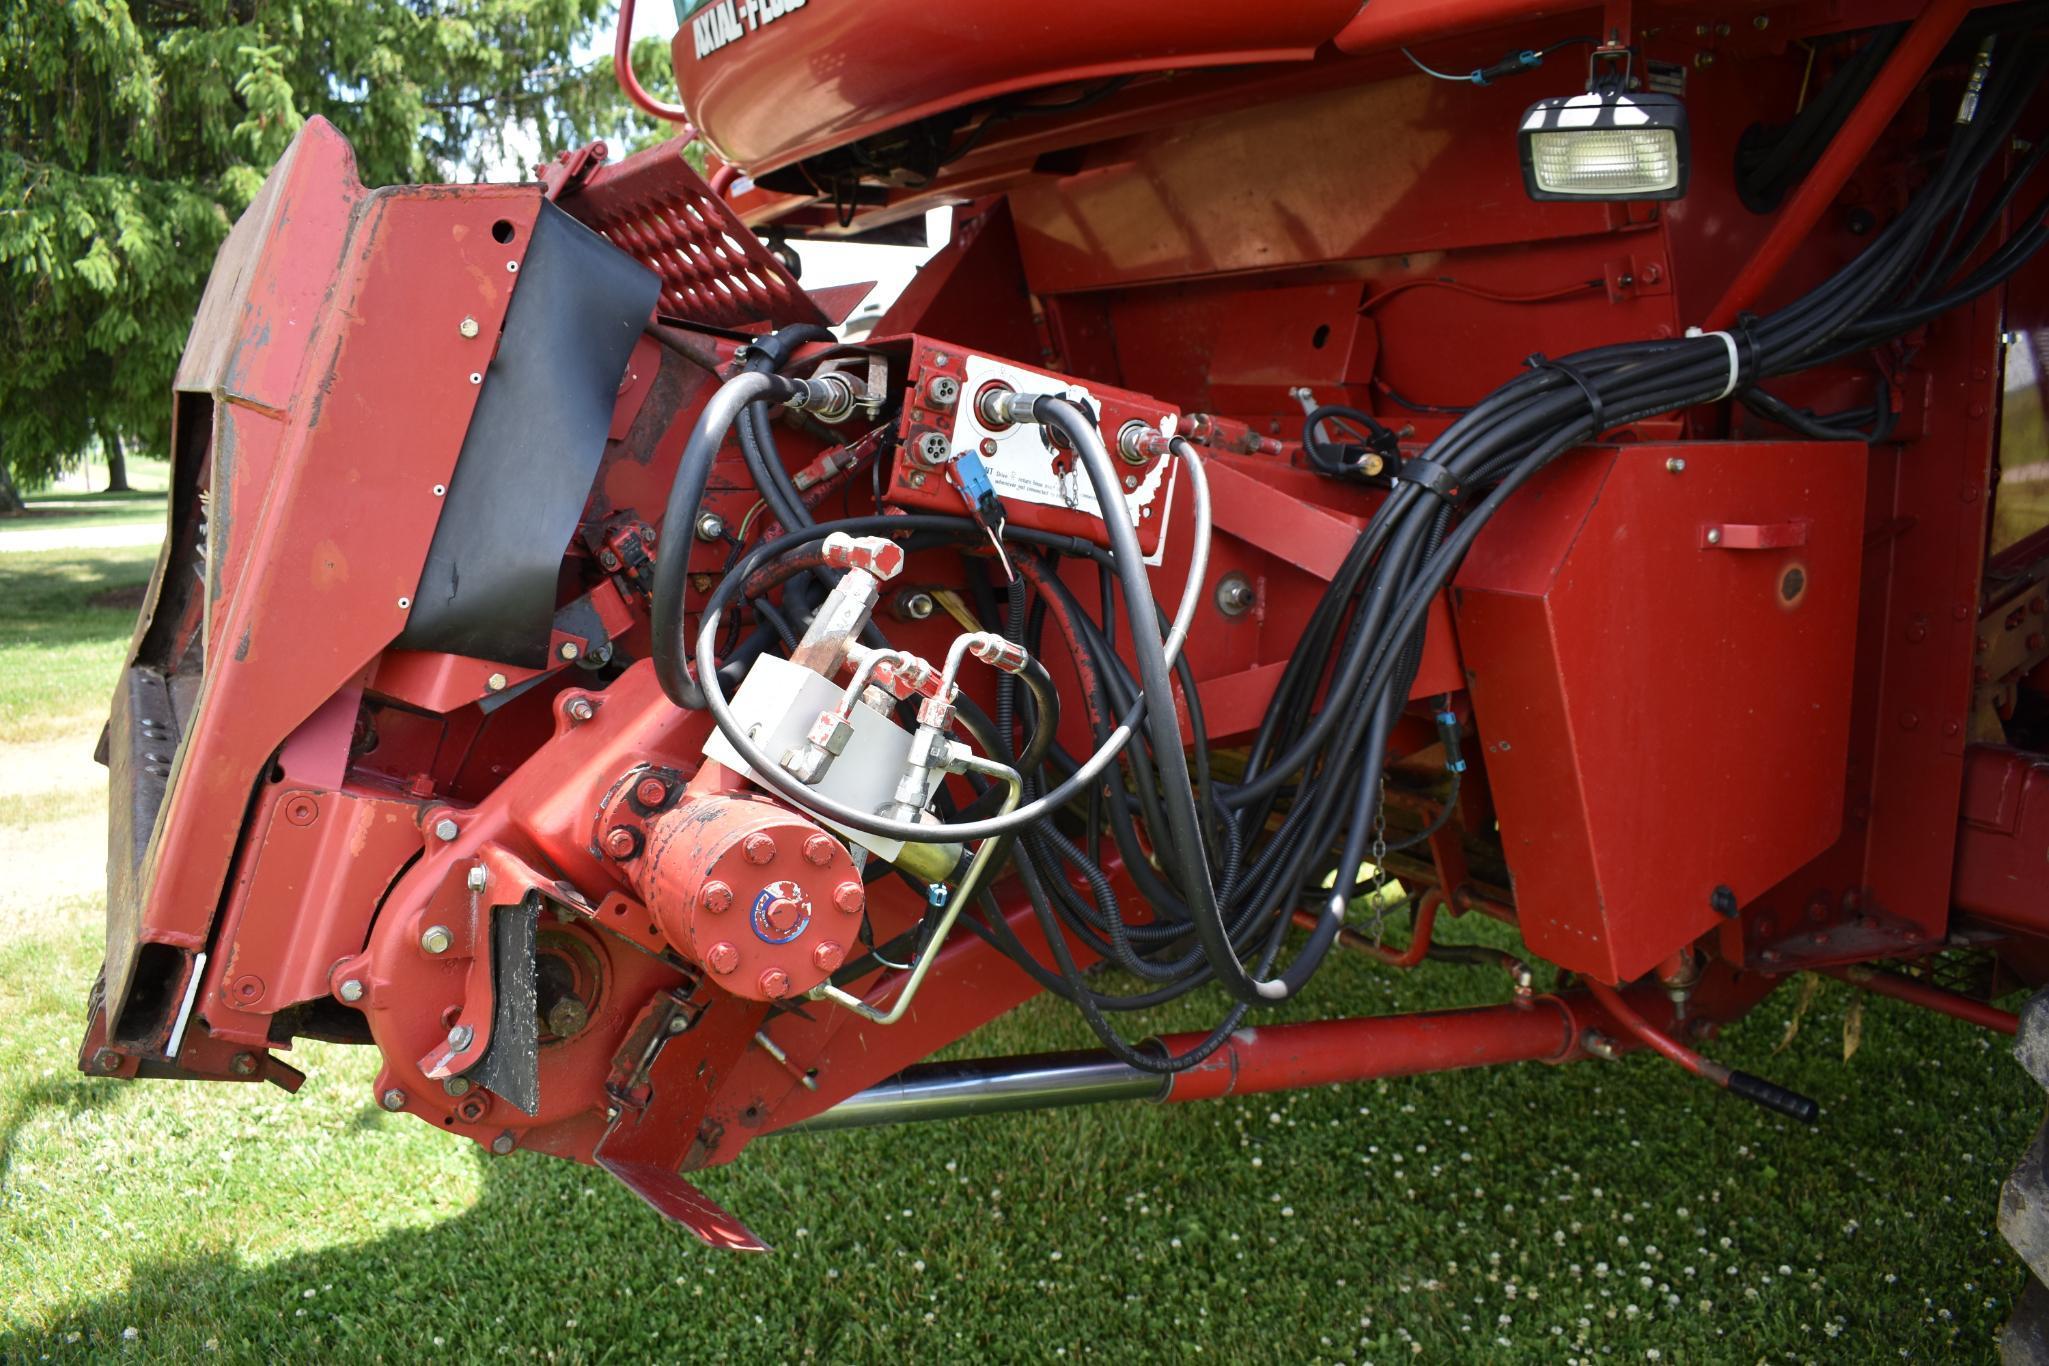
1126, 269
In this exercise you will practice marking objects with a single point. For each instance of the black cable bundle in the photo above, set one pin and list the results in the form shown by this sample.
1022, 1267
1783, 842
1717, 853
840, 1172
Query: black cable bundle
1223, 865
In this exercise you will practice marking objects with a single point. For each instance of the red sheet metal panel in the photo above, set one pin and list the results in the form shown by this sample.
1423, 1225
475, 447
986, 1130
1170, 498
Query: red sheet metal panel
771, 81
1662, 715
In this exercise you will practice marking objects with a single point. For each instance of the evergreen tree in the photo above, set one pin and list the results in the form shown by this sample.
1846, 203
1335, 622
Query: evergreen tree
133, 132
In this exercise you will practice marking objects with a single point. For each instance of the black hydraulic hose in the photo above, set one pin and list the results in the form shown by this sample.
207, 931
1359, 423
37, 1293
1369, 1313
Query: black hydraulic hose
679, 522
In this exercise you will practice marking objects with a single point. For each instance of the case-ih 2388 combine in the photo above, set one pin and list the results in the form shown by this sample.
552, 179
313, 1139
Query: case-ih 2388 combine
1547, 456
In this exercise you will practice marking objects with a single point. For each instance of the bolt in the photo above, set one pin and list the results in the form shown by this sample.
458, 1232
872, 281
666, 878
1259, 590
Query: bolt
477, 878
621, 842
460, 1037
818, 849
758, 848
569, 650
436, 939
455, 1086
243, 1064
1676, 465
915, 606
393, 1099
651, 791
710, 526
723, 958
496, 682
1703, 60
446, 829
1235, 595
678, 1023
1762, 21
580, 709
468, 327
504, 1143
775, 982
714, 897
106, 1060
849, 897
828, 956
567, 1016
933, 448
988, 446
608, 559
352, 990
782, 914
944, 391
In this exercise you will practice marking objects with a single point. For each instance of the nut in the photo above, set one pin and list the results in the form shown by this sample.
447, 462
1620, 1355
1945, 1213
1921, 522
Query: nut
850, 897
828, 956
710, 526
393, 1099
758, 848
722, 958
436, 939
580, 709
818, 849
1235, 595
916, 605
715, 897
775, 982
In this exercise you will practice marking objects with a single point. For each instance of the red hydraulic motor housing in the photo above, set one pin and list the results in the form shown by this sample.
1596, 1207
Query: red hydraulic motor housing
1545, 461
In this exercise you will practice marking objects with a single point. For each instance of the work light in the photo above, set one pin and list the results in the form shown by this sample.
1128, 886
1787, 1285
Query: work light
1605, 145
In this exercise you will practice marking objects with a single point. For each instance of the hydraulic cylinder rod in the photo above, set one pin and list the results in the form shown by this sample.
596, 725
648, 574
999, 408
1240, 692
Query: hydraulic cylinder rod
1273, 1058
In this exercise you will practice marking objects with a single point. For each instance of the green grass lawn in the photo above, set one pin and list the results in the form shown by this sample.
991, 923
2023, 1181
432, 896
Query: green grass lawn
1619, 1211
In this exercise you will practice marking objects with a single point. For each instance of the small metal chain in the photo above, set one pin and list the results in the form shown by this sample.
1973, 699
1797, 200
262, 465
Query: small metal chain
1376, 897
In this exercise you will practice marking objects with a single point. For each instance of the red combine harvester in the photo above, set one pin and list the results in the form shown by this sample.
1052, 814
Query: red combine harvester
1549, 459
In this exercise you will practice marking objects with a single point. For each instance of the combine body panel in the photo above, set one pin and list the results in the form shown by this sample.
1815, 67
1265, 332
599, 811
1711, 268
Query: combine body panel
653, 724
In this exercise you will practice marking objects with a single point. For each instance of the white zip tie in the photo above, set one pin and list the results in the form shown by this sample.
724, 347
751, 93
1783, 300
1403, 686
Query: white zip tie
1735, 360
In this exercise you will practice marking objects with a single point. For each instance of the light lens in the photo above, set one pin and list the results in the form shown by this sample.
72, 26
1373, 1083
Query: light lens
1600, 162
1605, 145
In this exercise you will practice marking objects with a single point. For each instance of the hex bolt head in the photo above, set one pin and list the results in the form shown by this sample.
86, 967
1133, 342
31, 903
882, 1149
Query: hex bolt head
504, 1144
849, 897
916, 606
758, 848
468, 327
243, 1064
446, 829
460, 1037
651, 791
621, 842
436, 939
775, 982
455, 1086
828, 956
714, 897
783, 914
352, 991
496, 682
722, 958
393, 1099
1676, 464
569, 649
818, 849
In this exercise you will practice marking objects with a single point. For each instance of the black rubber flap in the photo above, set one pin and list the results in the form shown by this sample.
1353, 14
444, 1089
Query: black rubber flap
488, 589
511, 1066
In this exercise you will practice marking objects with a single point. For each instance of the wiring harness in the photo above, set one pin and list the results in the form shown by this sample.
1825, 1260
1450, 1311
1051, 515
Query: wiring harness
1224, 864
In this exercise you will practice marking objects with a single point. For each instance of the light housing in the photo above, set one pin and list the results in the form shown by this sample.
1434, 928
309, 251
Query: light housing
1605, 145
